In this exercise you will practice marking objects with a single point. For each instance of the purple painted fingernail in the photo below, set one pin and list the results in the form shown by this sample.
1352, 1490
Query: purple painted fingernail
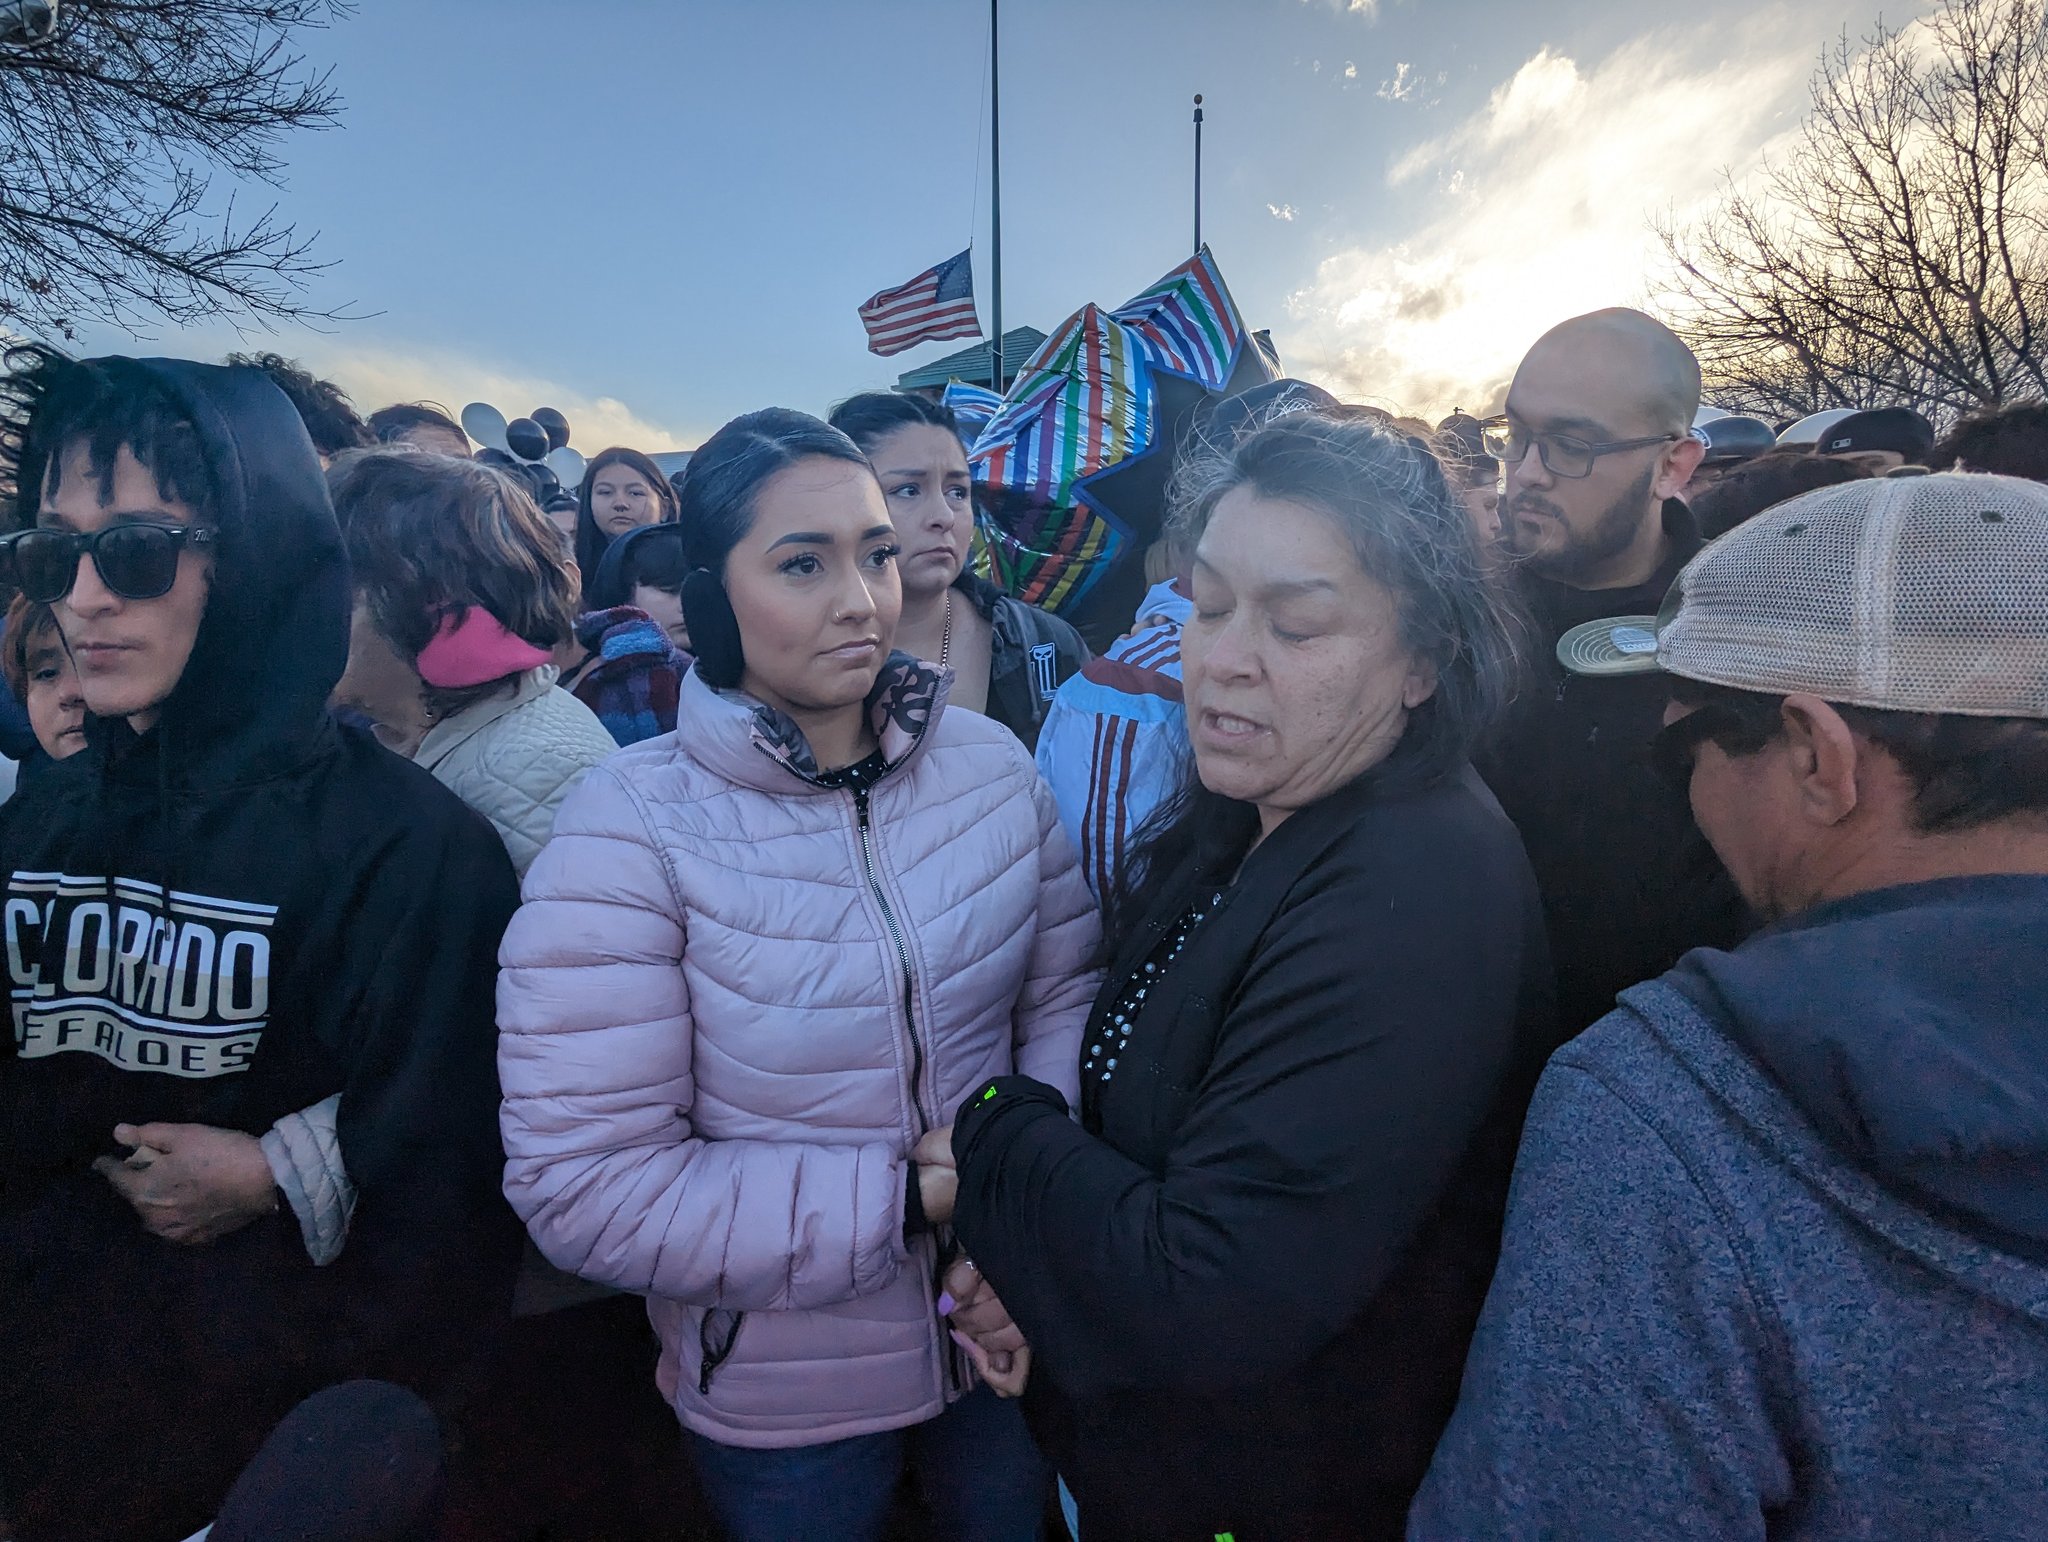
957, 1337
946, 1303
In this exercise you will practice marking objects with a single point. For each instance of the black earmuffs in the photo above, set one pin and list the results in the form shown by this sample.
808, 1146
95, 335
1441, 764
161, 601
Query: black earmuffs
714, 629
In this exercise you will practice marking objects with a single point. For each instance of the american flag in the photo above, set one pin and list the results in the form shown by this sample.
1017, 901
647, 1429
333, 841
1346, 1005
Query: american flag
937, 304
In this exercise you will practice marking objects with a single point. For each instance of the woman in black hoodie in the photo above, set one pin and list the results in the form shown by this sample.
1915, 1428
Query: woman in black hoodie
251, 954
1248, 1273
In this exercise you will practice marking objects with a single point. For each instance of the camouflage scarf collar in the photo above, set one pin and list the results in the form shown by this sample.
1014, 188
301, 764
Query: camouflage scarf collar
905, 702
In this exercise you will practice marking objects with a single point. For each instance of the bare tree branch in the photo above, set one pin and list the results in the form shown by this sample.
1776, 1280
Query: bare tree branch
111, 135
1898, 252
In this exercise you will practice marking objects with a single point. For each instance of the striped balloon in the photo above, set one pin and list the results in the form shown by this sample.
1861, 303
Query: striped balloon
1085, 401
1187, 322
972, 406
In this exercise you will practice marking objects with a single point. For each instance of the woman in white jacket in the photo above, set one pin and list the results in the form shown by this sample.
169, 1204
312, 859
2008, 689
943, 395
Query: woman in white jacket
461, 593
463, 588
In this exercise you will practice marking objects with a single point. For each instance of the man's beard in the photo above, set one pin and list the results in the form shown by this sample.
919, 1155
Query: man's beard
1585, 552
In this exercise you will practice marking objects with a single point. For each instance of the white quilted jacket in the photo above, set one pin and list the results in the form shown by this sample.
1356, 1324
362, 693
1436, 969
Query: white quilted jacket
515, 758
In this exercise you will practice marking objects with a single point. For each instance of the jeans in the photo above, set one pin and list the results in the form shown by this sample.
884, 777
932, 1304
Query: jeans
979, 1472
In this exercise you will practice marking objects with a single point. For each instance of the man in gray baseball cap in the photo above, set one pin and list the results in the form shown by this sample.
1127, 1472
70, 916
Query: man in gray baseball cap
1777, 1257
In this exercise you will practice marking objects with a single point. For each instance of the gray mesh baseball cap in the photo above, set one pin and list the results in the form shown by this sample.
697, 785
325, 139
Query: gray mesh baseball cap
1922, 594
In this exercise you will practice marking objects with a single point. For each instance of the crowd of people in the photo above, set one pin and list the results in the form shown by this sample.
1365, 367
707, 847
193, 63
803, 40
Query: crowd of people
1508, 1003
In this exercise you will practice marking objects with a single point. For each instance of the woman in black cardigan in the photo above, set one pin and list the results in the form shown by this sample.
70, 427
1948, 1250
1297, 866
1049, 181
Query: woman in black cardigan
1247, 1276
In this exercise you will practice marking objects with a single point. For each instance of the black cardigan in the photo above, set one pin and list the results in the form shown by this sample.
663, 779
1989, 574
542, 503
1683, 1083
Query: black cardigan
1031, 653
1250, 1280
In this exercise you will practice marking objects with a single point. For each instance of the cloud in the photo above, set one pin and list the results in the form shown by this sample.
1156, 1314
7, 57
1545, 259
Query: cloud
1408, 84
1367, 10
377, 373
1350, 73
1279, 211
1538, 209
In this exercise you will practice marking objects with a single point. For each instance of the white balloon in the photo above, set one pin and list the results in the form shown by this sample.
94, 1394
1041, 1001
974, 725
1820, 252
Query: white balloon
486, 425
1708, 415
567, 465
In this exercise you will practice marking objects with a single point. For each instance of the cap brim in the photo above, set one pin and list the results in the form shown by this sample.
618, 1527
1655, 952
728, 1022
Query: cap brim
1613, 645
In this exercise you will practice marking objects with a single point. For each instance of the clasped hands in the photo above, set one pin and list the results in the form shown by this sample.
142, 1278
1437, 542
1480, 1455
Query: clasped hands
981, 1324
191, 1183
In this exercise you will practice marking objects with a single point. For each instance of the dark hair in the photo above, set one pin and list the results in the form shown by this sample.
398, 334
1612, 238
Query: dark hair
390, 425
427, 533
2011, 441
331, 419
25, 619
726, 475
657, 561
590, 540
872, 416
651, 555
1965, 771
1386, 492
50, 403
1755, 485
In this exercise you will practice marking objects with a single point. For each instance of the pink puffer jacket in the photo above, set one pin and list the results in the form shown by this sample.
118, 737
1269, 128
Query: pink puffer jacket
715, 1064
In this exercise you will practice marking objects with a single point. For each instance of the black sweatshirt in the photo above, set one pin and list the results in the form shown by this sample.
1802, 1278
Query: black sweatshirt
1629, 884
1250, 1278
226, 920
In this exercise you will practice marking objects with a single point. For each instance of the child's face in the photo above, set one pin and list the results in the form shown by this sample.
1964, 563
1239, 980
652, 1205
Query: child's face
56, 706
129, 654
666, 607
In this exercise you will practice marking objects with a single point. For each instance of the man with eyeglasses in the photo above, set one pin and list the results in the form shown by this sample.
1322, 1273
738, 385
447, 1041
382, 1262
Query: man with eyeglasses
248, 1106
1594, 447
1776, 1262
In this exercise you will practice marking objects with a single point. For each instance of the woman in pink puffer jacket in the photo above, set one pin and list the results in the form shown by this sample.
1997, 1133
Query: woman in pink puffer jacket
760, 959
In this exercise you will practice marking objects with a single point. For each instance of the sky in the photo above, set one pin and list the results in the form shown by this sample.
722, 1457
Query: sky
655, 216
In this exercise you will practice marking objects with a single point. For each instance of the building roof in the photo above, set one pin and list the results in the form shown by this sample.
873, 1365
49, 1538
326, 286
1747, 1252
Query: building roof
972, 364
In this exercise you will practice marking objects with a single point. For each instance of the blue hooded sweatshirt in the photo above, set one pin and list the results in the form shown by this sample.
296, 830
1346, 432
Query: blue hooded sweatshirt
1776, 1261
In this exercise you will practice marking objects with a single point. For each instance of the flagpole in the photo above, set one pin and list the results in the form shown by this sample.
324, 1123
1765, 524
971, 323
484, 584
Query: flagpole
995, 198
1198, 173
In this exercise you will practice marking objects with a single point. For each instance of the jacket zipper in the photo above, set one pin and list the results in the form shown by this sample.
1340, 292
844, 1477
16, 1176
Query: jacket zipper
947, 1351
711, 1356
867, 857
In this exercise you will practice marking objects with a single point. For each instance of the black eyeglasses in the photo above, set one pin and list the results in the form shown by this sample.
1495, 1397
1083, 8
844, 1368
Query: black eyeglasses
137, 562
1563, 456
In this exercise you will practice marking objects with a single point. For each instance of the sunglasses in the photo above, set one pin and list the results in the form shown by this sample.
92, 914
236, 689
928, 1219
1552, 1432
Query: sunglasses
1675, 748
137, 562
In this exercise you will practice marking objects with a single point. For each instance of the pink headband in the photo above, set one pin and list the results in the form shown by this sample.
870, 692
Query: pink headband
472, 646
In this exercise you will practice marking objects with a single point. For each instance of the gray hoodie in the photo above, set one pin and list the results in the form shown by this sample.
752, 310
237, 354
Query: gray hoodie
1776, 1262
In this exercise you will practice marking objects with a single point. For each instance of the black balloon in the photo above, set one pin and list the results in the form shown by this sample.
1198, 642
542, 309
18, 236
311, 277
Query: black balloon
555, 424
526, 438
490, 455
